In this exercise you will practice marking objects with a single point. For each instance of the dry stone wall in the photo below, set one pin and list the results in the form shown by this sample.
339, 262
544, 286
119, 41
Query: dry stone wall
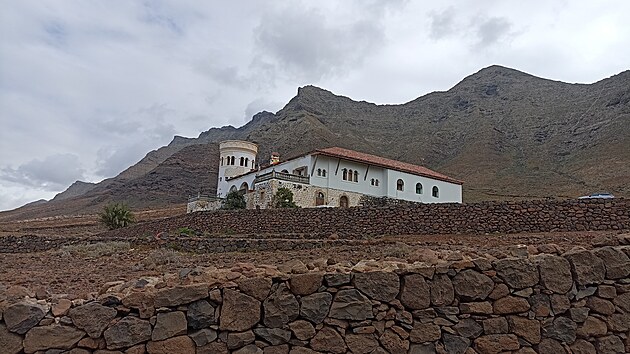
578, 302
359, 222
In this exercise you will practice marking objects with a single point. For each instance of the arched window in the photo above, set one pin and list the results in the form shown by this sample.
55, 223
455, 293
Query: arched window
242, 161
233, 162
319, 171
372, 181
356, 176
345, 174
435, 192
349, 175
244, 187
400, 185
418, 188
376, 182
319, 199
233, 188
343, 201
284, 171
246, 161
222, 161
323, 173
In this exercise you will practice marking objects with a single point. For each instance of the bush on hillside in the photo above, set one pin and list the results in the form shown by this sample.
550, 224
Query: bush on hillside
117, 215
234, 200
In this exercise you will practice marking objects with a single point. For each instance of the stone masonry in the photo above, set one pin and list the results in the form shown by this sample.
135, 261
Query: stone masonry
404, 219
577, 302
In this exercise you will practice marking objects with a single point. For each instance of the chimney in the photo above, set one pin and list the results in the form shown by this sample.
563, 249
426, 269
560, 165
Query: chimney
275, 158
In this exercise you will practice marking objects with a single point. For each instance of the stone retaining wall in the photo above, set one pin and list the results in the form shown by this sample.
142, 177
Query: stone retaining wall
360, 222
578, 302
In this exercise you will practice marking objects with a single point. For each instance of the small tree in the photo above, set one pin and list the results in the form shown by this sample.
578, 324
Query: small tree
283, 199
234, 200
117, 215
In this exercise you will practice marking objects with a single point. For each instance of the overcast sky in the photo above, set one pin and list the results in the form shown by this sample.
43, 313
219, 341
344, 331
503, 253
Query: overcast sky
87, 88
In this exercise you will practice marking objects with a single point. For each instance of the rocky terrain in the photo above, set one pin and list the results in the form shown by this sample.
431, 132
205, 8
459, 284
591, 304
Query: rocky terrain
507, 134
576, 301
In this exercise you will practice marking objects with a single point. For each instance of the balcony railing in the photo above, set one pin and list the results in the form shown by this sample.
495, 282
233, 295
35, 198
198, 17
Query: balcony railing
283, 177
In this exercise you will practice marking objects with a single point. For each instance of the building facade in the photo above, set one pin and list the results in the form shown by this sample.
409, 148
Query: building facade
331, 177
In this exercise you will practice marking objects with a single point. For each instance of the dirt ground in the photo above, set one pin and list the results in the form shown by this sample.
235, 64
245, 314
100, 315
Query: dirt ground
77, 270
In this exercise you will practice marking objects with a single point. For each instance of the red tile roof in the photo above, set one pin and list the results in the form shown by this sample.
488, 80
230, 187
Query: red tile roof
386, 163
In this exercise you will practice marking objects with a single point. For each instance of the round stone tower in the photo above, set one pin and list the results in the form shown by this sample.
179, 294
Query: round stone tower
236, 157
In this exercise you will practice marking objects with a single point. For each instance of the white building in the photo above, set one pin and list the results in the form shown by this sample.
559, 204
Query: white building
327, 177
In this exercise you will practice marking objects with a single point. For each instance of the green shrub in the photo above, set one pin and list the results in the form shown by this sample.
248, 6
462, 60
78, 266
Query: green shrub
283, 199
117, 215
234, 200
186, 231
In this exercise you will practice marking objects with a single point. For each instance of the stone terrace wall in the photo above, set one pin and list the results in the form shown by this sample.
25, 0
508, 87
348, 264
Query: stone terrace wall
479, 218
575, 303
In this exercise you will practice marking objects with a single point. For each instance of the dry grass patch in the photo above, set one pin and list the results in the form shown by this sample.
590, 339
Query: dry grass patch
93, 250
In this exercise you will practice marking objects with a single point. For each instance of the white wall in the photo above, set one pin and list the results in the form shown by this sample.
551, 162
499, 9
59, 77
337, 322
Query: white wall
448, 192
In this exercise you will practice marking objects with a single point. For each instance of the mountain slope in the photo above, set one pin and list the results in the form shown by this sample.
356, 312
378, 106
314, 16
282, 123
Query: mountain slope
506, 133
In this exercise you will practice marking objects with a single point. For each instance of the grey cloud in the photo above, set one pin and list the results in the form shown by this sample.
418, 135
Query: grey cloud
52, 173
442, 23
493, 30
301, 43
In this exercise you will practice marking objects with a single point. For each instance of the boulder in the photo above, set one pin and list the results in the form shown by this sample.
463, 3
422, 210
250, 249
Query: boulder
275, 336
550, 346
472, 285
337, 279
127, 332
525, 328
180, 345
239, 312
51, 337
609, 345
497, 325
468, 328
22, 316
599, 305
213, 348
393, 344
350, 304
92, 318
496, 343
249, 349
315, 307
442, 291
200, 314
616, 262
258, 288
518, 273
561, 329
303, 330
305, 284
280, 308
455, 344
415, 294
586, 267
361, 343
180, 295
329, 341
203, 336
424, 332
555, 273
240, 339
592, 327
381, 286
169, 324
10, 343
583, 347
510, 304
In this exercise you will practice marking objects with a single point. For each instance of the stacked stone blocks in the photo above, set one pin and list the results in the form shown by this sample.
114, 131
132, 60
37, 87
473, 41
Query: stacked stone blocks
578, 302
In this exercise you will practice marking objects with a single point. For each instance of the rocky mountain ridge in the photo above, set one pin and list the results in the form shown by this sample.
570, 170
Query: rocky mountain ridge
506, 133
